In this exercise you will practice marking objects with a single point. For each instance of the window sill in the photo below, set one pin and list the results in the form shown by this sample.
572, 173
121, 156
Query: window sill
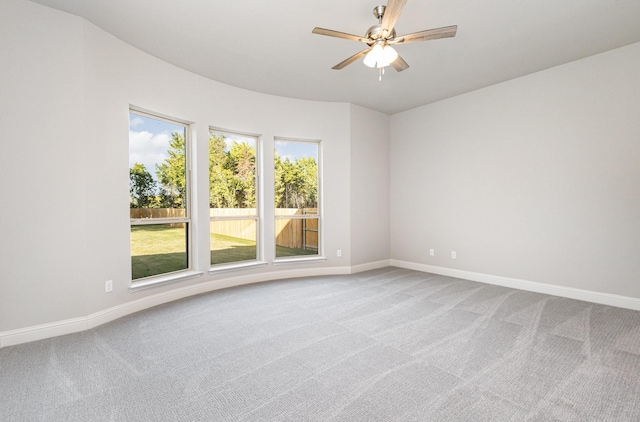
137, 286
288, 261
233, 267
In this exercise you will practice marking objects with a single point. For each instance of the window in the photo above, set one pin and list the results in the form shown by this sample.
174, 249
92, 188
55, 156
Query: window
297, 198
158, 195
233, 197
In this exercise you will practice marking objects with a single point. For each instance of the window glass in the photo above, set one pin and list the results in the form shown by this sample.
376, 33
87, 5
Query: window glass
296, 194
233, 240
233, 197
158, 195
158, 249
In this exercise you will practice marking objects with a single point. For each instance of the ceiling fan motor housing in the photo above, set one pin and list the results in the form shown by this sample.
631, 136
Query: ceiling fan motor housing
375, 32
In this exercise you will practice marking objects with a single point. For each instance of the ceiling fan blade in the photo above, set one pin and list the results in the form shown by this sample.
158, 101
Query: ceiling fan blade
338, 34
391, 15
429, 34
399, 64
351, 59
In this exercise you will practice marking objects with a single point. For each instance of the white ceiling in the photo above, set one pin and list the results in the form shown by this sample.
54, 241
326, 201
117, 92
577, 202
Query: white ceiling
268, 46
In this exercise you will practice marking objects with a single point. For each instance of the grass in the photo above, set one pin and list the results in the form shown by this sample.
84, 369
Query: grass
160, 248
157, 249
281, 251
226, 249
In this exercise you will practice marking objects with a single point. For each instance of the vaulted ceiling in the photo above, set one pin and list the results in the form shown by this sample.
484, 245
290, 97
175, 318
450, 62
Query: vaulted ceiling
268, 46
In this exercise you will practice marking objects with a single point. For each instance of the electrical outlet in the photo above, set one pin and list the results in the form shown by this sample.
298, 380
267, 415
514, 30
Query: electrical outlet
108, 286
339, 253
454, 255
432, 252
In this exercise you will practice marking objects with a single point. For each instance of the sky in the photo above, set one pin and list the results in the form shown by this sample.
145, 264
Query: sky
294, 150
149, 141
230, 138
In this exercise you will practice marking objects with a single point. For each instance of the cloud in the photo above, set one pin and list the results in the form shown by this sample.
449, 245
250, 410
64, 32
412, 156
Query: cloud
148, 149
135, 122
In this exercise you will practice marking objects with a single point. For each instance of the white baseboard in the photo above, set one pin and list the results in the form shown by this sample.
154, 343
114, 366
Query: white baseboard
370, 266
39, 332
531, 286
74, 325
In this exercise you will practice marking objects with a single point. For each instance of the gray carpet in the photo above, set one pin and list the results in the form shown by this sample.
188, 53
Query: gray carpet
384, 345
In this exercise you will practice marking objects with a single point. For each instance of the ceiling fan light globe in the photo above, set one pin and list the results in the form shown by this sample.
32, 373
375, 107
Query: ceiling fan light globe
374, 57
387, 57
369, 60
389, 54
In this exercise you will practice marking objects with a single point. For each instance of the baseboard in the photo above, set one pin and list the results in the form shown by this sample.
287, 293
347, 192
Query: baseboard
370, 266
532, 286
74, 325
141, 304
39, 332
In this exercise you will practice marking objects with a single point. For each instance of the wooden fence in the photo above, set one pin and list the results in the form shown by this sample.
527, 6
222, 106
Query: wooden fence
156, 212
294, 232
290, 232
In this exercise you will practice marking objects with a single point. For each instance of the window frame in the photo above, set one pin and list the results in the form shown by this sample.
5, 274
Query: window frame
256, 217
187, 220
318, 215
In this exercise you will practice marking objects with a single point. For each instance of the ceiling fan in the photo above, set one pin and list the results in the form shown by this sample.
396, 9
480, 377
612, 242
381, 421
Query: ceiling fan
380, 38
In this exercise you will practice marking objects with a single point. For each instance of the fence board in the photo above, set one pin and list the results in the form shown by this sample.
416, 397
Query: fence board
290, 233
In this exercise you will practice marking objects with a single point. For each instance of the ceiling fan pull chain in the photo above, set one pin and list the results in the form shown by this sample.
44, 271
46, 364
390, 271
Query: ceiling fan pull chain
380, 75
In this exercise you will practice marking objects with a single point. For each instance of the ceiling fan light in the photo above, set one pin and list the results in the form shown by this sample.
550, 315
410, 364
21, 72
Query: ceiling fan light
369, 60
374, 56
389, 54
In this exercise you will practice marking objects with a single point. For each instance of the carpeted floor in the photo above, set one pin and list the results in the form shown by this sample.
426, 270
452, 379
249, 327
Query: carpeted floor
384, 345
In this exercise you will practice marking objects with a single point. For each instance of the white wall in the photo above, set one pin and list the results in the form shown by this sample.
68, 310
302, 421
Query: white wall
369, 186
66, 91
45, 156
536, 179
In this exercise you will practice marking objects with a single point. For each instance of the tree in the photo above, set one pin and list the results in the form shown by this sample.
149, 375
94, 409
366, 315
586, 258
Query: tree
279, 188
220, 196
296, 183
142, 187
309, 174
231, 174
172, 174
242, 162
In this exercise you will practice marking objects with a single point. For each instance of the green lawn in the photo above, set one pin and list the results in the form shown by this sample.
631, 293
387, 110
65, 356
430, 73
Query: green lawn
281, 251
158, 249
231, 249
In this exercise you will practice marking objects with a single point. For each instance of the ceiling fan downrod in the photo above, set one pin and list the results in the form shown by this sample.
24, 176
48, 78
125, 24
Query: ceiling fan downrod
378, 12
